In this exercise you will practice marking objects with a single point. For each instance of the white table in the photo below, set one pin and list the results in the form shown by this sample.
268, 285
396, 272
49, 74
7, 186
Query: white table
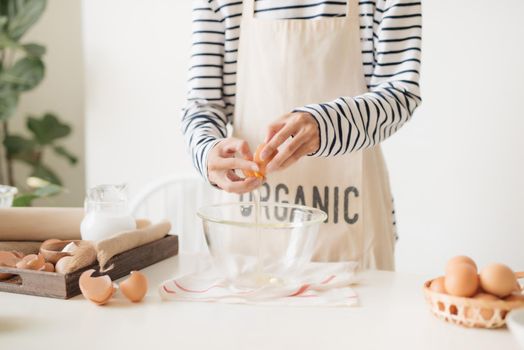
392, 315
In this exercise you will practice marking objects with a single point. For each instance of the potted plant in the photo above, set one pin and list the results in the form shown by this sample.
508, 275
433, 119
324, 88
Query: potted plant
22, 69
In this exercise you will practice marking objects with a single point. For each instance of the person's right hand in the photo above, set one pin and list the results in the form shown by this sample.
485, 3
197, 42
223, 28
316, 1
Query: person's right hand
222, 163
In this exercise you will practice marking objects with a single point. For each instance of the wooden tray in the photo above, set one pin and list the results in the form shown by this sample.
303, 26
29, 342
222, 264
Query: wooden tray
55, 285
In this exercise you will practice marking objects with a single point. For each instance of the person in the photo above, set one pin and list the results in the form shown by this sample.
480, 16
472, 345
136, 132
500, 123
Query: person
321, 82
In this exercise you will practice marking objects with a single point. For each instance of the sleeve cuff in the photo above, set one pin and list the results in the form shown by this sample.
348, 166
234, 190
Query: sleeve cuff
317, 112
205, 152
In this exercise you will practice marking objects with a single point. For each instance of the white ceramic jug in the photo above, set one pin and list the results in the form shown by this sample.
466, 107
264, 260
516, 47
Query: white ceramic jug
107, 212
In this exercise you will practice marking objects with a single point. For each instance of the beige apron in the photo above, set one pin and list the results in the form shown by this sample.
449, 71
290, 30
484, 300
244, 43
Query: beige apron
284, 64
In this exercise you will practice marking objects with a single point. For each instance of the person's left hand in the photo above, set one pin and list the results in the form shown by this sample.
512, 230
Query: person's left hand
303, 128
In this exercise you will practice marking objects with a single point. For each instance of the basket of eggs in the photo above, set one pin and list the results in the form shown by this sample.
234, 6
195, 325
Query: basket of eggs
471, 299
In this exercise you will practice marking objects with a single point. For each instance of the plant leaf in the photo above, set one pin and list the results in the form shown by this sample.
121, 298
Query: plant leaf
48, 191
28, 12
24, 200
6, 41
45, 173
34, 50
47, 128
24, 75
62, 151
31, 49
3, 21
8, 103
16, 144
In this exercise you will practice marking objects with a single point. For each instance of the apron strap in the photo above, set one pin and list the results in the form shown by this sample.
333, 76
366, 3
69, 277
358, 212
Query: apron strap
352, 10
248, 9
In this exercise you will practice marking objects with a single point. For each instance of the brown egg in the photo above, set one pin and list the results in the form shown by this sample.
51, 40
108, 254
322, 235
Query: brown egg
498, 279
48, 267
461, 280
460, 259
31, 262
62, 264
8, 259
515, 297
486, 314
97, 289
437, 285
518, 287
134, 288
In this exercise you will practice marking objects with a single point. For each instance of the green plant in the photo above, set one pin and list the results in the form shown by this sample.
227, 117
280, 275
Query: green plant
22, 69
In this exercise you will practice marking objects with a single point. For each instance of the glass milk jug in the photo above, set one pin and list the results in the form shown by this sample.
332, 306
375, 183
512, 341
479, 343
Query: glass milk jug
107, 212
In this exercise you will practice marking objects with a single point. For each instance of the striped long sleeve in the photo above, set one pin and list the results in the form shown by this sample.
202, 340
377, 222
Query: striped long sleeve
390, 33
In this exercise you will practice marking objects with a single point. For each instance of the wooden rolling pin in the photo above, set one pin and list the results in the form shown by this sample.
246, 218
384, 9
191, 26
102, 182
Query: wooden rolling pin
39, 224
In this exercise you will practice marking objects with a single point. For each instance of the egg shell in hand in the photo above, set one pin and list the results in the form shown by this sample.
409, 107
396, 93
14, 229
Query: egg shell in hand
261, 173
134, 287
461, 280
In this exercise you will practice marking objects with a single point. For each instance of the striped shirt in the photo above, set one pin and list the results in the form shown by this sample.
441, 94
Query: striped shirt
390, 32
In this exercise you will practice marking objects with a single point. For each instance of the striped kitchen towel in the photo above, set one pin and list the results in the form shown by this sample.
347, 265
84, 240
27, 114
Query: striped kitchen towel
320, 284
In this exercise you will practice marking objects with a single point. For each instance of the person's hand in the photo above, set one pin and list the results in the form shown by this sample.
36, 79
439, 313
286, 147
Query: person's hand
222, 163
303, 129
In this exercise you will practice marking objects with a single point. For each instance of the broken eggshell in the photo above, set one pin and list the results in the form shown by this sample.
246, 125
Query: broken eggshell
96, 289
31, 262
70, 247
8, 259
62, 265
55, 249
134, 287
48, 267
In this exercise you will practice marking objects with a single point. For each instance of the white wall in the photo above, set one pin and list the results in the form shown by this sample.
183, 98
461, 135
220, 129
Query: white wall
61, 92
456, 169
135, 66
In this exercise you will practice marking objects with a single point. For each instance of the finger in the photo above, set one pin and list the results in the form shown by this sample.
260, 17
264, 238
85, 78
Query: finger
277, 140
231, 175
299, 153
241, 186
234, 163
300, 139
234, 145
273, 129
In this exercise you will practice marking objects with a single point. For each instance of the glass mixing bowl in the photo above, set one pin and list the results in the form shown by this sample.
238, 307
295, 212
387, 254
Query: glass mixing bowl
251, 251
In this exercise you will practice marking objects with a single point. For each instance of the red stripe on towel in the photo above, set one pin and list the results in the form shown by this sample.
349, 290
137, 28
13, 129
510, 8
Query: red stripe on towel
168, 290
195, 291
329, 279
300, 290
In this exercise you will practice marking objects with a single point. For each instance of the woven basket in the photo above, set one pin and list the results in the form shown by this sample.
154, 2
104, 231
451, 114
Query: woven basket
470, 312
